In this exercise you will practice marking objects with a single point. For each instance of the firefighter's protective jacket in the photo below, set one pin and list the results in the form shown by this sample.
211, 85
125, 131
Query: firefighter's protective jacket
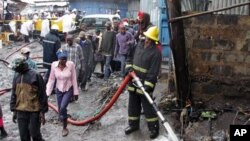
146, 63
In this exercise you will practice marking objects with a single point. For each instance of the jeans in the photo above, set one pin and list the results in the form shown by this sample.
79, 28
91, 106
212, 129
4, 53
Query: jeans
122, 59
107, 67
63, 99
29, 126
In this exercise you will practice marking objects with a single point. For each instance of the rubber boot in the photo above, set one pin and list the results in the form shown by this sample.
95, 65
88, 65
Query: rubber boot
133, 126
3, 133
65, 131
153, 129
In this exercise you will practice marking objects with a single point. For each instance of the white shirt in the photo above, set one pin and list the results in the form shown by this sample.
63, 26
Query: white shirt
45, 28
66, 23
27, 27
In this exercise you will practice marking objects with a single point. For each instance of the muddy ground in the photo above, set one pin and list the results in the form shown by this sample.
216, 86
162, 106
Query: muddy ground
111, 126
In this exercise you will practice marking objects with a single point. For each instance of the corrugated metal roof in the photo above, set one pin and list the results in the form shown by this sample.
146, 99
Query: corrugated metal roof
207, 5
216, 4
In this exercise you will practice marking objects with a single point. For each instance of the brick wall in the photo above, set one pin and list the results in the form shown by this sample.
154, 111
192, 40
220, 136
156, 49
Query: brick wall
218, 50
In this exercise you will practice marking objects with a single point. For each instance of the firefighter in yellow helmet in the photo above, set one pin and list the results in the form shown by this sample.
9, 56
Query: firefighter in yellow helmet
146, 63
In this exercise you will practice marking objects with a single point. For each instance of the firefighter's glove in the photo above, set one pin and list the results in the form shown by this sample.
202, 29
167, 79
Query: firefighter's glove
75, 97
128, 70
42, 118
148, 89
14, 117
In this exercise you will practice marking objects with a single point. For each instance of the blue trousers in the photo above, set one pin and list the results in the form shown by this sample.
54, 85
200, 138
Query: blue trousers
63, 99
107, 67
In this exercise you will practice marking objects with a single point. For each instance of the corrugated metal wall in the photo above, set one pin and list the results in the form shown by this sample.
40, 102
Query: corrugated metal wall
100, 6
194, 5
204, 5
151, 7
216, 4
133, 8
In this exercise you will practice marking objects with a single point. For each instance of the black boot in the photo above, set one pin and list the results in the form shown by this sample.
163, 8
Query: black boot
3, 132
130, 129
153, 134
153, 129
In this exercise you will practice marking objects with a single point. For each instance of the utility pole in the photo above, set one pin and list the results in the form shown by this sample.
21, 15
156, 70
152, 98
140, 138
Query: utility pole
177, 44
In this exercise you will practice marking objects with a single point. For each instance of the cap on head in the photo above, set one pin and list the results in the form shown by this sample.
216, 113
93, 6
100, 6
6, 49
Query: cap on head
81, 34
54, 27
18, 62
25, 50
61, 53
140, 15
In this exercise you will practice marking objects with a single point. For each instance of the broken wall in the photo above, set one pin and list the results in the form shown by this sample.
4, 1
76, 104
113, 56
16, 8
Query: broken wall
218, 51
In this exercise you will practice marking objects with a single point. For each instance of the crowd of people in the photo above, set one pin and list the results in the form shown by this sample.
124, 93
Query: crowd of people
70, 67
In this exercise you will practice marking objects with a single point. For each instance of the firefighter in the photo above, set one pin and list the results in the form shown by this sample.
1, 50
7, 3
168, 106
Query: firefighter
51, 43
146, 63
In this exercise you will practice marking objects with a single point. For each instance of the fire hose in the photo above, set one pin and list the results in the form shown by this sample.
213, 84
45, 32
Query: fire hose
131, 76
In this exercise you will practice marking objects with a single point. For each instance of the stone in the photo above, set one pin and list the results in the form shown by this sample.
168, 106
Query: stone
230, 91
205, 20
220, 136
202, 43
211, 89
224, 45
247, 60
227, 20
246, 46
221, 70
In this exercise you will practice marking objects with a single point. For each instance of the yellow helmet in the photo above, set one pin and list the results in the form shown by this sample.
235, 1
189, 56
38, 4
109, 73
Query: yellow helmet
152, 33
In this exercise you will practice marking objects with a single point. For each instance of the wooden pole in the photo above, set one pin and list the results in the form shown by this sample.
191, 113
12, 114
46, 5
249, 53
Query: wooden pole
179, 52
175, 19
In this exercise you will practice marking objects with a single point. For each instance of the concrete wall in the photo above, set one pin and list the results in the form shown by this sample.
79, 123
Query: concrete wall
218, 48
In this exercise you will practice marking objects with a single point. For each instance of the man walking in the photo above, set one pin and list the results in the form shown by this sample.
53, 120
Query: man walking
124, 40
107, 48
28, 101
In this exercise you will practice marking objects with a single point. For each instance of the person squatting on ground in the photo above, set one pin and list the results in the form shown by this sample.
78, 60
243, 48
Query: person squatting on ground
107, 48
64, 73
124, 40
146, 64
51, 44
88, 55
26, 53
28, 101
2, 130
